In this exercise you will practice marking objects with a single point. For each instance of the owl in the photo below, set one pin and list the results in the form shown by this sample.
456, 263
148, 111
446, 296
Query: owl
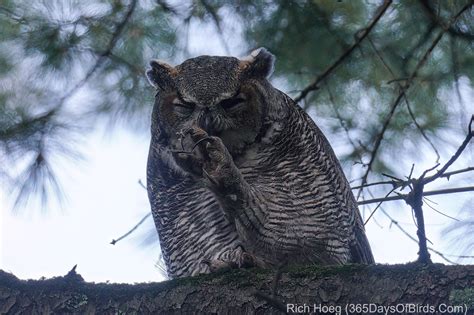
239, 175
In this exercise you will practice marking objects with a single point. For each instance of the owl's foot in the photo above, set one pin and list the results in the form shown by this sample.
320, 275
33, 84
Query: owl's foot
190, 156
208, 157
249, 261
245, 260
217, 265
188, 161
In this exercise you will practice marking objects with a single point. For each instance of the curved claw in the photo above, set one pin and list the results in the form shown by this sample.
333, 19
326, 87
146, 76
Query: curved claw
217, 265
199, 141
209, 177
193, 148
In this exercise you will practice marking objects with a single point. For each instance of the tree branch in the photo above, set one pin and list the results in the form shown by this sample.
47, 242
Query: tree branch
315, 85
415, 200
114, 241
234, 292
405, 87
342, 122
450, 29
443, 256
425, 193
399, 183
102, 57
389, 69
456, 155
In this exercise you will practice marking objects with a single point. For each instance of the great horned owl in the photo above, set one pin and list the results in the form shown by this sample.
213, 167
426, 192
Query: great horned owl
239, 175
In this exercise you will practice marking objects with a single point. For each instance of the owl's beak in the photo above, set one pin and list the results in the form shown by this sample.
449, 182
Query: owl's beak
205, 121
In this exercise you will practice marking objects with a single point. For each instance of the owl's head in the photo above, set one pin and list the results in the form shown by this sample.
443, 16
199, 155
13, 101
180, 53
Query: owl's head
226, 96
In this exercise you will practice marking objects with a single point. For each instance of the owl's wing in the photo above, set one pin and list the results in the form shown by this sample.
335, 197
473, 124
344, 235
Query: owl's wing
359, 245
360, 248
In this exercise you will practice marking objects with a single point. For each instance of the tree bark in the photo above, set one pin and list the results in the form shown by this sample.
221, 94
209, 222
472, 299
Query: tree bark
300, 290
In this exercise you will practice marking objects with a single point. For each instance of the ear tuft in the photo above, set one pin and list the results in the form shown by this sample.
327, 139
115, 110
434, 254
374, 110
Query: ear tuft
161, 75
259, 63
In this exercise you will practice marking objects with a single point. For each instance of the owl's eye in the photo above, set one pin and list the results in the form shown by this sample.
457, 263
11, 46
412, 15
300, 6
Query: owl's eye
232, 103
183, 108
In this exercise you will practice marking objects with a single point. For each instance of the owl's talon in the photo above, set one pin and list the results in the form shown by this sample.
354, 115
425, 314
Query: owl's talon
179, 152
188, 161
209, 177
217, 265
217, 151
197, 133
200, 141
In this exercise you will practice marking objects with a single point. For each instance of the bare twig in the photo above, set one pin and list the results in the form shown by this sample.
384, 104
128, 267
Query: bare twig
435, 18
459, 256
114, 241
443, 256
425, 193
387, 182
400, 183
464, 170
440, 212
378, 141
428, 170
415, 197
396, 80
397, 224
361, 36
378, 206
456, 155
141, 184
395, 104
423, 133
342, 122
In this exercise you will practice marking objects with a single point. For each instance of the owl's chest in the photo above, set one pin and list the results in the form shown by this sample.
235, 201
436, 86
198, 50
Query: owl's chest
269, 163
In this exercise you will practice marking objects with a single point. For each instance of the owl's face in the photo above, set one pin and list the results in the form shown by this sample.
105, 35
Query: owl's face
221, 95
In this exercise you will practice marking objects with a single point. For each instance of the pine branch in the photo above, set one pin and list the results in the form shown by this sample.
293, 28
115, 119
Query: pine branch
405, 87
103, 55
342, 122
450, 29
361, 36
389, 69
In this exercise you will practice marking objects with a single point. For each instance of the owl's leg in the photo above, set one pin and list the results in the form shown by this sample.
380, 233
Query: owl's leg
241, 202
208, 157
